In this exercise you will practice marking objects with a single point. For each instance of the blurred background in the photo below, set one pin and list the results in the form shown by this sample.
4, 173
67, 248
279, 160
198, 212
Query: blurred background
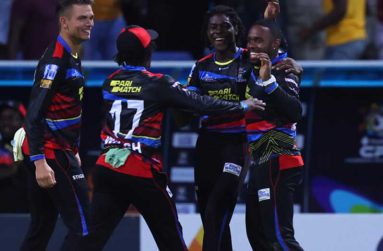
340, 134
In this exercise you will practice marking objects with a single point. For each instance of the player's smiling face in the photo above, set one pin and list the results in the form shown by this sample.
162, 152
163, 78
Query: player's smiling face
221, 32
79, 22
259, 39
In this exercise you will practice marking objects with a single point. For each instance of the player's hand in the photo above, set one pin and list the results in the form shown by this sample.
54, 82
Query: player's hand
255, 104
45, 176
272, 10
265, 64
289, 65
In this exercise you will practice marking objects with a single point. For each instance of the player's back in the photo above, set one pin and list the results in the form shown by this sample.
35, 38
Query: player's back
135, 109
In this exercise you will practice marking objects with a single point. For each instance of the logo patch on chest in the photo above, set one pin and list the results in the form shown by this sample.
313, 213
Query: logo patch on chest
50, 71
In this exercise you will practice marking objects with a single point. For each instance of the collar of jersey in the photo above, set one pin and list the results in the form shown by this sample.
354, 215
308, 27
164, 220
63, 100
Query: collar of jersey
61, 40
281, 55
236, 55
133, 68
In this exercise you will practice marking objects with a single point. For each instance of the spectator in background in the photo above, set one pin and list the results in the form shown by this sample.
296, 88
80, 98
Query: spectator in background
134, 11
379, 29
170, 17
344, 23
5, 10
12, 178
33, 26
107, 25
252, 11
11, 119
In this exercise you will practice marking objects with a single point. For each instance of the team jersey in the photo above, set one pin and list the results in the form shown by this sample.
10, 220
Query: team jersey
224, 81
272, 133
54, 114
135, 102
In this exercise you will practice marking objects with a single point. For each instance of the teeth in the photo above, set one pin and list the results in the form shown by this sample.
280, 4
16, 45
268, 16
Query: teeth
219, 39
252, 53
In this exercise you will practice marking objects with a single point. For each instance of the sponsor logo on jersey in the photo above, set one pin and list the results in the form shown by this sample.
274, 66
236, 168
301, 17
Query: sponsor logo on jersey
264, 194
124, 86
50, 71
78, 176
46, 83
232, 168
224, 94
73, 73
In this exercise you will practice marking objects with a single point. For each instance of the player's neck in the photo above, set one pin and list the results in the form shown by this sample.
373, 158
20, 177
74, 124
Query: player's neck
222, 56
74, 44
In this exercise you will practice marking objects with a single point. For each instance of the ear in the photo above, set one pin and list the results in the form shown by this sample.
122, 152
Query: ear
63, 22
276, 43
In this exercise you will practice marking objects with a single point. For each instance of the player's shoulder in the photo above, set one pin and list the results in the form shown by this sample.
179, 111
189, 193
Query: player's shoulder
288, 81
52, 56
152, 75
203, 63
48, 66
164, 81
55, 50
292, 79
283, 77
209, 57
114, 74
244, 55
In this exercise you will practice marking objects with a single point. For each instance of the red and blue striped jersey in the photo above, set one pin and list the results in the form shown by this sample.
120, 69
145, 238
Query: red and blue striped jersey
54, 113
135, 101
224, 81
272, 133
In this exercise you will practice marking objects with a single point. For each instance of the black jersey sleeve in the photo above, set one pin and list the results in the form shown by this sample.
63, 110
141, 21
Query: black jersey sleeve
285, 97
172, 94
194, 80
45, 82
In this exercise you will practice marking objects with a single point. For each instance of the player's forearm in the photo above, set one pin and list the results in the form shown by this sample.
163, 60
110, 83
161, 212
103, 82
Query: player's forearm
287, 105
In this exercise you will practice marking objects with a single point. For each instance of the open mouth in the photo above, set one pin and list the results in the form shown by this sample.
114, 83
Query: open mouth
87, 32
219, 41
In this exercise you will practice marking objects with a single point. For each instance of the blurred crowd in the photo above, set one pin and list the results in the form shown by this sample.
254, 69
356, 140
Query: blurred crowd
13, 179
317, 29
